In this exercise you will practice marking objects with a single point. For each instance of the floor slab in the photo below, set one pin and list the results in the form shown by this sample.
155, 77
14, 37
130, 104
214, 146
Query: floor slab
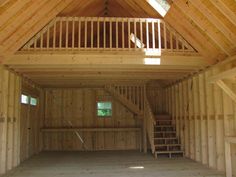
109, 164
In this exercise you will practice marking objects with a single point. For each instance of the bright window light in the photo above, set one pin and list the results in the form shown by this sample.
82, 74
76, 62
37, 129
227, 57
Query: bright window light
139, 44
161, 6
33, 101
152, 61
151, 52
24, 99
137, 167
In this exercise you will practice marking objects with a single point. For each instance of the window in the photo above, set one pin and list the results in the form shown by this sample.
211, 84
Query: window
104, 109
33, 101
24, 99
161, 6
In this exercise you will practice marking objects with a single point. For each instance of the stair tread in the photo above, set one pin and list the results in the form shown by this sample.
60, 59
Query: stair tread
165, 126
166, 138
165, 152
164, 131
160, 145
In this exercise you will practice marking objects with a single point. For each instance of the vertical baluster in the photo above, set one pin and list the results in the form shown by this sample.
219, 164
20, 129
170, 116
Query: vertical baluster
177, 41
67, 32
171, 41
135, 34
48, 30
117, 33
182, 41
91, 33
147, 35
41, 41
141, 33
60, 38
79, 33
159, 35
123, 34
129, 33
98, 33
35, 43
111, 40
73, 33
85, 32
54, 35
104, 33
153, 35
165, 41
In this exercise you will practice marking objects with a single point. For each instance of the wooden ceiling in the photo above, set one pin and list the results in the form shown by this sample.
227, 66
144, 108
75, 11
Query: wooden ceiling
209, 26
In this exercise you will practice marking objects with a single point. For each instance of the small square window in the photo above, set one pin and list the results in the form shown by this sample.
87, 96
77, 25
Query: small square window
33, 101
104, 109
24, 99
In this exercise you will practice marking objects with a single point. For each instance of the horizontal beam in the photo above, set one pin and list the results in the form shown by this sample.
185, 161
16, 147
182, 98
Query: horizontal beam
88, 129
227, 90
231, 139
104, 58
229, 74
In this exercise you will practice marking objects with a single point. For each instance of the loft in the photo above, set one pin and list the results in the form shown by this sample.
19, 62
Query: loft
112, 34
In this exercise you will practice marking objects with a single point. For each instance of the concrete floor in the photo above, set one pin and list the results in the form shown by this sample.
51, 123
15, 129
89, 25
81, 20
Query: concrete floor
109, 164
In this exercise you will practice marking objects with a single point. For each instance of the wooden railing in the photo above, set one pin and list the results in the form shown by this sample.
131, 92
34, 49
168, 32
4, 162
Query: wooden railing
150, 123
131, 96
104, 33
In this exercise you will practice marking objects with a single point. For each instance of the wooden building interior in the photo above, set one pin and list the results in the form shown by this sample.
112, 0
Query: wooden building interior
152, 80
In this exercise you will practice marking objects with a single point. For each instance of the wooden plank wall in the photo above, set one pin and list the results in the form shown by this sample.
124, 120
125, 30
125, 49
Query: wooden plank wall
204, 115
10, 86
31, 122
78, 106
156, 97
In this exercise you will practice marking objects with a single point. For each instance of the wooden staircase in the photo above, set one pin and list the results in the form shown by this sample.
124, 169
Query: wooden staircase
165, 139
130, 96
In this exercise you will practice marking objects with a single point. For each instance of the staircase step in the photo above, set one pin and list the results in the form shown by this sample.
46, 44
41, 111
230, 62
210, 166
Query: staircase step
169, 153
165, 132
166, 138
163, 117
163, 145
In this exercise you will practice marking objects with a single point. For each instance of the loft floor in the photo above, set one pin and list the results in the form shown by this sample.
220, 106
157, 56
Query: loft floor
109, 164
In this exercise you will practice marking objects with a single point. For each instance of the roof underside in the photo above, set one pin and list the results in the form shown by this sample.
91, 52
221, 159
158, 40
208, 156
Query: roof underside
209, 26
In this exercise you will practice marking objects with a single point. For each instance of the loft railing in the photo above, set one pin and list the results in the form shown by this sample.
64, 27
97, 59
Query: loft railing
105, 33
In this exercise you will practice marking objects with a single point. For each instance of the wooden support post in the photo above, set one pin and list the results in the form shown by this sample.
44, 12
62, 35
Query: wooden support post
4, 118
144, 124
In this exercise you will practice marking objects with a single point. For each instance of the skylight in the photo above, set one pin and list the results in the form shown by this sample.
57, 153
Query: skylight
161, 6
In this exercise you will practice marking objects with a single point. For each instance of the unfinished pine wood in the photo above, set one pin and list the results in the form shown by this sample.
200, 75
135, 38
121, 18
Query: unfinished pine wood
113, 163
9, 120
209, 118
78, 106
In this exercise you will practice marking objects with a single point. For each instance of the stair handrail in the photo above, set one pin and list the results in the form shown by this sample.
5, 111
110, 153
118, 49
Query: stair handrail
150, 123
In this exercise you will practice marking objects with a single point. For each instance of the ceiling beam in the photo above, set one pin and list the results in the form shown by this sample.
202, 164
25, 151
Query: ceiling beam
33, 24
105, 58
201, 21
192, 34
200, 5
225, 10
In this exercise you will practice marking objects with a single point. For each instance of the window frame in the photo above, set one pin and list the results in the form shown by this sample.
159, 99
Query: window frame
104, 101
28, 99
36, 98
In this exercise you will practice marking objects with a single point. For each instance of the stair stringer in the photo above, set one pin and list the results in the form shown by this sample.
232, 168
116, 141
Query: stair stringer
136, 109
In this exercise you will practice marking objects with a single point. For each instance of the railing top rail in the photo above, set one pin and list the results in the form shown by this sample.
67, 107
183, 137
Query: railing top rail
108, 19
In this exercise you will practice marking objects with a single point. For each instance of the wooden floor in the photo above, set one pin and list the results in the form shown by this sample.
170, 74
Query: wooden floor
109, 164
